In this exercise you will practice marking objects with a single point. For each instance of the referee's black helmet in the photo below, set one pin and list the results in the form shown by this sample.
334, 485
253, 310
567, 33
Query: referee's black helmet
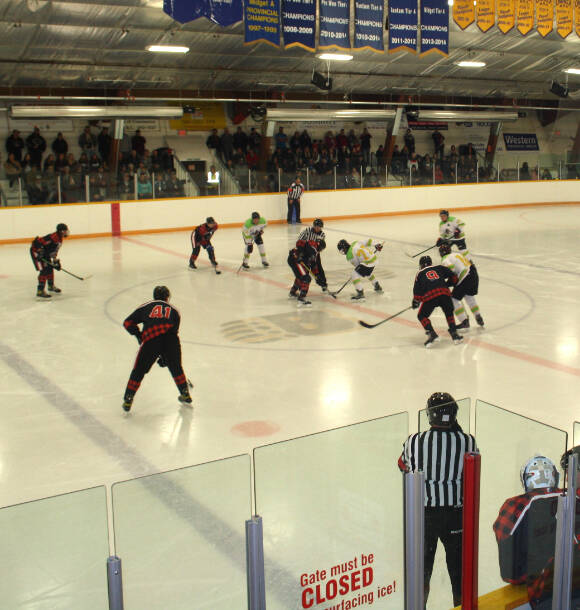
441, 409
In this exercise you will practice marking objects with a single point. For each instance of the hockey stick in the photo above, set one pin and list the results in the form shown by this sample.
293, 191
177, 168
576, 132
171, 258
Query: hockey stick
385, 320
333, 294
422, 251
63, 269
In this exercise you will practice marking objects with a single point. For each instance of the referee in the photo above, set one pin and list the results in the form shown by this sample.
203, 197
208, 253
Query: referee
438, 453
294, 195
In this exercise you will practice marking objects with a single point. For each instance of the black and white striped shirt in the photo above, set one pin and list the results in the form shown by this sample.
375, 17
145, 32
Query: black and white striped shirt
439, 454
295, 191
309, 235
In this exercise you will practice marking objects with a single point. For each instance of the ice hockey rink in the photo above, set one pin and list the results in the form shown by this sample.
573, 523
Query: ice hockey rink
263, 370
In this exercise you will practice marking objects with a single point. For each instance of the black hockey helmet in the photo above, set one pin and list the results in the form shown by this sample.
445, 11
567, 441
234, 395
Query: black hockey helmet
161, 293
425, 261
445, 248
255, 215
318, 223
564, 459
343, 246
446, 212
62, 228
441, 409
209, 220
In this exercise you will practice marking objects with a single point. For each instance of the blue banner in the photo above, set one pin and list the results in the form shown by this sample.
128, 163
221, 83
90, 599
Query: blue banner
521, 141
225, 12
186, 10
403, 25
299, 23
262, 21
334, 24
368, 25
434, 27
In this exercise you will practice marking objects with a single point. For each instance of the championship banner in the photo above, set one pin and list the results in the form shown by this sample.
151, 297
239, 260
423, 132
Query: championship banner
485, 11
525, 11
368, 25
225, 12
506, 15
434, 27
544, 17
262, 21
403, 25
299, 23
334, 24
463, 13
564, 17
186, 10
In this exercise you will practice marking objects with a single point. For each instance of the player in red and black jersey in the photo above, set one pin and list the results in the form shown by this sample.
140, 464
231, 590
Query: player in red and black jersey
431, 289
201, 238
159, 341
44, 253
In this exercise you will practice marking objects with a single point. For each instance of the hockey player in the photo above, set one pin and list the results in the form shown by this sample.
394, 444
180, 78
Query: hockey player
201, 238
252, 232
305, 258
451, 230
363, 258
159, 340
44, 253
429, 291
466, 285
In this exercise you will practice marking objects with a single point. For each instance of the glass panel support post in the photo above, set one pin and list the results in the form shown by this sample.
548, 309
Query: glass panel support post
477, 171
334, 172
307, 178
255, 564
279, 180
414, 484
249, 181
565, 533
361, 175
115, 583
456, 176
19, 191
87, 188
58, 189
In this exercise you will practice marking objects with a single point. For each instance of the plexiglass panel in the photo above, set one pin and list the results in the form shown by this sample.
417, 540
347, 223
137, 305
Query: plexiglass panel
181, 537
576, 433
507, 441
54, 553
332, 510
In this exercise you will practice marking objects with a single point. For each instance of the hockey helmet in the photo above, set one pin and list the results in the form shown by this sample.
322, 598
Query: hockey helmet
255, 215
425, 261
161, 293
441, 409
539, 472
62, 228
444, 249
564, 459
318, 223
343, 246
209, 220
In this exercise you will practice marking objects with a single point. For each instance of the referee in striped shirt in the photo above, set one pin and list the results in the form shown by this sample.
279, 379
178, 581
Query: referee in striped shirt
439, 452
294, 195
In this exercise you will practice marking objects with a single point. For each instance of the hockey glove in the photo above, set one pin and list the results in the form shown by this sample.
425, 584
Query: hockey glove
378, 247
456, 233
415, 304
440, 241
321, 245
161, 361
56, 264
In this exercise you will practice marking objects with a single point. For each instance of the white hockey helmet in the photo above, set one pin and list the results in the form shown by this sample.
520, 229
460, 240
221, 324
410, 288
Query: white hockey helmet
539, 472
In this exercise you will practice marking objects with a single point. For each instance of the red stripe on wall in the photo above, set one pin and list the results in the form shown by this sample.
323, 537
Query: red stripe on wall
115, 219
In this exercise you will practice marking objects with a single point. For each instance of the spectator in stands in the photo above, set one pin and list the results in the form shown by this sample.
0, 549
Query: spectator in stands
353, 179
50, 161
213, 141
174, 186
252, 159
409, 141
88, 142
525, 171
50, 182
13, 169
438, 174
213, 181
356, 158
305, 141
380, 157
35, 145
94, 163
70, 188
72, 162
281, 139
59, 145
126, 187
94, 190
138, 144
84, 163
341, 139
104, 141
352, 139
102, 182
37, 192
426, 168
438, 143
144, 188
396, 160
227, 145
26, 164
343, 159
255, 139
372, 180
240, 140
546, 175
365, 145
15, 145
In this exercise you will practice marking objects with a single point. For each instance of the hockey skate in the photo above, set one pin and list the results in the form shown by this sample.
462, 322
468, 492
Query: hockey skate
359, 296
42, 294
479, 319
378, 288
185, 398
457, 338
192, 265
127, 404
53, 288
265, 264
293, 294
463, 325
217, 271
245, 265
302, 302
432, 337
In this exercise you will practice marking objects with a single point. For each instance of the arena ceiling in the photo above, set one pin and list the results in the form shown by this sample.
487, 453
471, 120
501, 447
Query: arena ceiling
101, 45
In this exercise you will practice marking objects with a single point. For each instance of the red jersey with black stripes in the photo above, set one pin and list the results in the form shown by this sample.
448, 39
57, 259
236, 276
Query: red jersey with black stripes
47, 246
157, 318
431, 282
203, 234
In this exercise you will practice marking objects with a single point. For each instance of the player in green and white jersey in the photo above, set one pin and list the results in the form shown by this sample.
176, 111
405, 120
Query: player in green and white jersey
362, 255
252, 232
451, 230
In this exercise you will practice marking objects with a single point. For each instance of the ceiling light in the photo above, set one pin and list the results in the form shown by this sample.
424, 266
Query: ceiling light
96, 111
165, 48
572, 70
307, 114
471, 64
335, 56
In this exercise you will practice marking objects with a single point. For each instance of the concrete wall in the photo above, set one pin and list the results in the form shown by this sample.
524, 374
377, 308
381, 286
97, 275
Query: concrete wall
95, 219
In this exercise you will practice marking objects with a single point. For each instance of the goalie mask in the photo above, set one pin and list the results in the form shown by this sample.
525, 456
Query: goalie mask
539, 472
442, 410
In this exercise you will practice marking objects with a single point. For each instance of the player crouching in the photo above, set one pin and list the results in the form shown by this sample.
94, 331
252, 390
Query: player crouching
252, 232
44, 253
363, 259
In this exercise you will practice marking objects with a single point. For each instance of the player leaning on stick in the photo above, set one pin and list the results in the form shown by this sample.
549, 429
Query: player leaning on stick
429, 291
252, 232
466, 285
363, 257
201, 238
44, 253
451, 230
159, 340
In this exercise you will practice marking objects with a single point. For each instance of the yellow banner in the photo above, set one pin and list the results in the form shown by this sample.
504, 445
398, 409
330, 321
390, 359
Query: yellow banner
564, 17
485, 14
544, 17
525, 10
464, 13
577, 7
506, 15
207, 116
